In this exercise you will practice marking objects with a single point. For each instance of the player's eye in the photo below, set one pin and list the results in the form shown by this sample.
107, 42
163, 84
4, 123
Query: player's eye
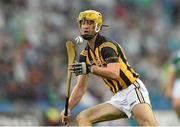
85, 21
91, 22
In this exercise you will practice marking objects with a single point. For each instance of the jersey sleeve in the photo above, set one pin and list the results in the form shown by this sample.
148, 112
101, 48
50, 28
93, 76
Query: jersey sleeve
82, 57
109, 55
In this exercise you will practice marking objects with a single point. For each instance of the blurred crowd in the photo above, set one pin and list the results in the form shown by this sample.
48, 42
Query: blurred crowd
33, 58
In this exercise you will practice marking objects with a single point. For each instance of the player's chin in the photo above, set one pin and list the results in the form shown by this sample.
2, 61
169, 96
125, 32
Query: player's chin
85, 33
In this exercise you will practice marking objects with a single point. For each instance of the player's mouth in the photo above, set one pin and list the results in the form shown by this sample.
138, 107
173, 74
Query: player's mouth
86, 32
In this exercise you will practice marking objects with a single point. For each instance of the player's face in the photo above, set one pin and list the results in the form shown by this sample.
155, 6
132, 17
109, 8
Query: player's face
87, 27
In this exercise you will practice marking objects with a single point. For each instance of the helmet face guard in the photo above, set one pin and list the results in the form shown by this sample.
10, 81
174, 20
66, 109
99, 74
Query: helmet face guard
93, 16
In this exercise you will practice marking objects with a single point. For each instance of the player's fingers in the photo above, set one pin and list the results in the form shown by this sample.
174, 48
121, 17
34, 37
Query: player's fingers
70, 68
65, 119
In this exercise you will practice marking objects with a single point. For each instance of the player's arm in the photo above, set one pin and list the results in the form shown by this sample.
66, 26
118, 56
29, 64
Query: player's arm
111, 71
78, 91
76, 95
80, 86
171, 80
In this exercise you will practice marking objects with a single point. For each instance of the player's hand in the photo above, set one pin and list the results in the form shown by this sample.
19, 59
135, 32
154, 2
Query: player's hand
80, 68
64, 119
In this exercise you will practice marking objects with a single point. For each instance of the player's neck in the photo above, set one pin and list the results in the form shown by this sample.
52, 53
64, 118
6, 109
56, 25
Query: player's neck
91, 42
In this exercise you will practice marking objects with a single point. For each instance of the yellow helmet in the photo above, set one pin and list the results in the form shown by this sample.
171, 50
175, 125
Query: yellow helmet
91, 15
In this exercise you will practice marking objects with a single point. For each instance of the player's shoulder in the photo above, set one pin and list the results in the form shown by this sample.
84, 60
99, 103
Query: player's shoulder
107, 40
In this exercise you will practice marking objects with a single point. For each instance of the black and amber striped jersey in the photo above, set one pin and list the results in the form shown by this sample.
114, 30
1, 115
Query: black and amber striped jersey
107, 51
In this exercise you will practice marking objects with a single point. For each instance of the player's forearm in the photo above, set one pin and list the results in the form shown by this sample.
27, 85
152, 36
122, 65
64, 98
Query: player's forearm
76, 95
105, 72
172, 79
